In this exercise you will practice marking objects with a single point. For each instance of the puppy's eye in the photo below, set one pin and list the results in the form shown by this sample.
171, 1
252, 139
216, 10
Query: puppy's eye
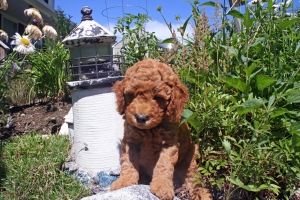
129, 98
158, 98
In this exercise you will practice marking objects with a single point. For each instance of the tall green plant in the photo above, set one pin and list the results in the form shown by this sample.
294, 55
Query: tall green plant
48, 71
137, 42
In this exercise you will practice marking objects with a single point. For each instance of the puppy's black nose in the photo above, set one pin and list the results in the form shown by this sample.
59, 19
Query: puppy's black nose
141, 118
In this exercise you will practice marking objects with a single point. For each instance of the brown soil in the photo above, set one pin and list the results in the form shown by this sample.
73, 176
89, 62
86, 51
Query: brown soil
44, 118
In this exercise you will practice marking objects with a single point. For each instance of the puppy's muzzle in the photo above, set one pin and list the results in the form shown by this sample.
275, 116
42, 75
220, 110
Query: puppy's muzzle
141, 118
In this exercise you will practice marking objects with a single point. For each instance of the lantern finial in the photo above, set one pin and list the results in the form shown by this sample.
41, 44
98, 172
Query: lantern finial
86, 13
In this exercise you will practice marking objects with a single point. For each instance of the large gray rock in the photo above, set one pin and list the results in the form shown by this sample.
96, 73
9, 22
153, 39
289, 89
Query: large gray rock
135, 192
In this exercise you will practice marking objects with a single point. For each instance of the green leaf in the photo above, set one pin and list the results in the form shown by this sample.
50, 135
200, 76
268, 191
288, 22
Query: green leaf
227, 146
295, 128
288, 23
240, 184
278, 112
254, 188
263, 81
298, 46
249, 70
253, 103
195, 10
209, 3
231, 50
247, 20
195, 122
193, 119
255, 73
168, 40
274, 188
270, 6
236, 14
271, 101
295, 140
257, 41
297, 85
237, 83
185, 24
185, 115
241, 110
293, 98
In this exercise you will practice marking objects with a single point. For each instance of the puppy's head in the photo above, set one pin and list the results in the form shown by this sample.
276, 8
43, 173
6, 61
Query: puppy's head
149, 93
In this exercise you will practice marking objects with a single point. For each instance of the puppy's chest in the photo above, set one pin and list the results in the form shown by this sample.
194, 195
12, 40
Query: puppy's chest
150, 141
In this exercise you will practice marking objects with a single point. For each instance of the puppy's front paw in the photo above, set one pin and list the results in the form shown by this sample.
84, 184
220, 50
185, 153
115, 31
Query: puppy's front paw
163, 188
120, 183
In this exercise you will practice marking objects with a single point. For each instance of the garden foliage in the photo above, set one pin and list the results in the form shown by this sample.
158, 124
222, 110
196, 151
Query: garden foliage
48, 71
137, 42
244, 92
42, 74
245, 98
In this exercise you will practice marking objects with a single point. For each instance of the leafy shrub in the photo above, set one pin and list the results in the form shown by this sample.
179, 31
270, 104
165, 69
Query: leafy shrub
245, 97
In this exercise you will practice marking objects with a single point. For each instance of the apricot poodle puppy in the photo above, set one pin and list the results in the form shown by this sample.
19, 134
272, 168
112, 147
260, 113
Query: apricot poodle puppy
155, 149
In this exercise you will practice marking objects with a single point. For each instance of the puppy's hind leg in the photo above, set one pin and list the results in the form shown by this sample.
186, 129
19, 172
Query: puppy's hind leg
197, 192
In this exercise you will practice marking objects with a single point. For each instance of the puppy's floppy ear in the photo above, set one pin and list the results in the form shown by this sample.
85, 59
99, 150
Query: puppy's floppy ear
118, 88
179, 97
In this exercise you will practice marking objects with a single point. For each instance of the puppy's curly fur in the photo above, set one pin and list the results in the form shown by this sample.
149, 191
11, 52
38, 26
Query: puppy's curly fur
155, 149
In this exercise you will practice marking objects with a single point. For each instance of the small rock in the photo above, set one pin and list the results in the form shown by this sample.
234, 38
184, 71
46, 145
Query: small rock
104, 180
55, 129
23, 115
135, 192
53, 120
48, 107
9, 124
115, 171
70, 166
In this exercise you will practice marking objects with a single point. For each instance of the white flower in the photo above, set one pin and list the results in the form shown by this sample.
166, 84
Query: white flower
3, 4
23, 44
33, 12
3, 35
254, 3
50, 32
33, 32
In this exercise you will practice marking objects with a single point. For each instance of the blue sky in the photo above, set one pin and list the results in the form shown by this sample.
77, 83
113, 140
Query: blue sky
113, 9
170, 9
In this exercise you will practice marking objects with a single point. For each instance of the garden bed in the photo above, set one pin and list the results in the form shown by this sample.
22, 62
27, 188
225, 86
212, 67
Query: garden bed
44, 118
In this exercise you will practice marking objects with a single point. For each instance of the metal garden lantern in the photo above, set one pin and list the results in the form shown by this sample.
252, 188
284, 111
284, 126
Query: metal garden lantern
93, 68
